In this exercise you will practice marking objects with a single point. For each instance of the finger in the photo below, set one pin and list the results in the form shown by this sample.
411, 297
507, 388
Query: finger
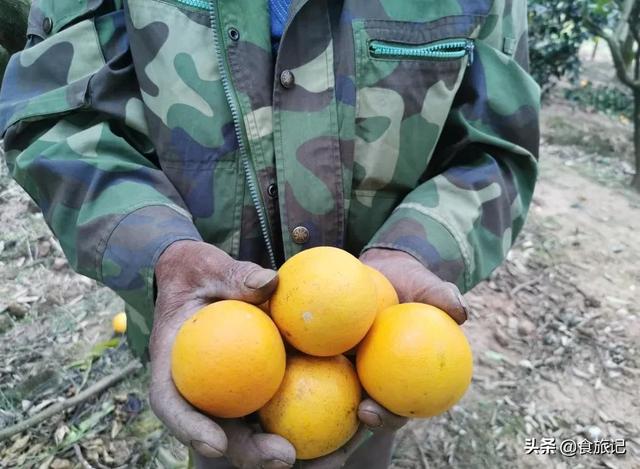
443, 295
375, 416
247, 449
187, 424
197, 461
339, 458
276, 452
243, 281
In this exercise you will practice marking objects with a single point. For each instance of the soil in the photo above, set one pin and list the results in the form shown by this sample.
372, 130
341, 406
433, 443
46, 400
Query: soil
554, 330
555, 334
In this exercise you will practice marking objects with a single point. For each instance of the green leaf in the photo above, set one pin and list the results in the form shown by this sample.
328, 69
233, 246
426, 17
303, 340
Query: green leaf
99, 349
76, 433
96, 352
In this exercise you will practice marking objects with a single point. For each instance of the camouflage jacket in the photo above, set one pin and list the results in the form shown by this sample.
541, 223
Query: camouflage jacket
410, 125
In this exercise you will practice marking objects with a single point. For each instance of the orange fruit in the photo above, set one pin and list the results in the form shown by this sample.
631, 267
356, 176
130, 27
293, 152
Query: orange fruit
316, 407
415, 360
385, 293
119, 323
325, 301
228, 359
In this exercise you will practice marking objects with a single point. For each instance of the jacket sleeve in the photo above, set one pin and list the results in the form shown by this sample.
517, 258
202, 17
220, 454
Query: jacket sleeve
472, 202
76, 140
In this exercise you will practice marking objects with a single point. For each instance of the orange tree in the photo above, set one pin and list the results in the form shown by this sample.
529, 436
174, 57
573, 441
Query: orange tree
556, 32
617, 22
13, 26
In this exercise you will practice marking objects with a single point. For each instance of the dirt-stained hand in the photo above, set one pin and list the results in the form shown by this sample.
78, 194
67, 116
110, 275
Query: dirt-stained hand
415, 283
189, 276
373, 418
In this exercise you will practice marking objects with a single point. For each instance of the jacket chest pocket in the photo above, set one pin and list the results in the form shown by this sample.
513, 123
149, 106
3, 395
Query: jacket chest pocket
407, 75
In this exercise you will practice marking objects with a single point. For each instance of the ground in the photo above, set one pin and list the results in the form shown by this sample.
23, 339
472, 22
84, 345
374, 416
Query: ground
554, 331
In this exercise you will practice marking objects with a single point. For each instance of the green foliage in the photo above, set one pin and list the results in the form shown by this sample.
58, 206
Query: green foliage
556, 31
13, 24
609, 99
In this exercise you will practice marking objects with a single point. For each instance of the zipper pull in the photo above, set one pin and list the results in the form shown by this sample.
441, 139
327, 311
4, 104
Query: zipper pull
470, 48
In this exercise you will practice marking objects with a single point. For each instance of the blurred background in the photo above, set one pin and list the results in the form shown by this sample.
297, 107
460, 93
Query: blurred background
554, 331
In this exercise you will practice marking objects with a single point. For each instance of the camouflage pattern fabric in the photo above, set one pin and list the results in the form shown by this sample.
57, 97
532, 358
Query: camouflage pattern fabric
135, 123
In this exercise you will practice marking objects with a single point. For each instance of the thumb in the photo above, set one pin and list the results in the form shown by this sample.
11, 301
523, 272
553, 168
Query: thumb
447, 297
248, 282
276, 452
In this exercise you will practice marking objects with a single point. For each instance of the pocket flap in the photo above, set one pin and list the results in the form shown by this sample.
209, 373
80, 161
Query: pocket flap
423, 33
47, 17
51, 77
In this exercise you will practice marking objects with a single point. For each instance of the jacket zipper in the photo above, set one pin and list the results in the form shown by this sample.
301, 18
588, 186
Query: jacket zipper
203, 4
448, 49
233, 106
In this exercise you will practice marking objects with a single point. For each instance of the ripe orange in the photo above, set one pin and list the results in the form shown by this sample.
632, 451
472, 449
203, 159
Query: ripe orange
316, 407
228, 359
385, 293
415, 360
119, 323
325, 301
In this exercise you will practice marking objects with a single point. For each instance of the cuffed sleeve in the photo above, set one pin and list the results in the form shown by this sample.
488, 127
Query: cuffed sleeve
418, 231
130, 255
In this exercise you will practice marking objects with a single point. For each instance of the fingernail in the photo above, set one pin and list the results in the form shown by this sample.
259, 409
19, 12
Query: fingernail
465, 306
373, 417
205, 449
275, 464
259, 278
377, 421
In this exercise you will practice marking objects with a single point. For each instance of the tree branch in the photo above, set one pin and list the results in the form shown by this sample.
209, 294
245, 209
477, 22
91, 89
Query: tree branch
58, 407
4, 60
616, 53
621, 28
633, 23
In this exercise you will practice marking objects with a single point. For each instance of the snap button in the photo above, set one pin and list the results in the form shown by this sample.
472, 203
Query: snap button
272, 190
47, 25
300, 235
234, 34
509, 45
287, 79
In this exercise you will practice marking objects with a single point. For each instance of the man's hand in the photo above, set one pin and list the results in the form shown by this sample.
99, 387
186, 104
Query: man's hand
189, 276
415, 283
373, 418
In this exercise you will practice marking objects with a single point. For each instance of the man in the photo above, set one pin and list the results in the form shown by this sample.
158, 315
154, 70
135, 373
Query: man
183, 149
